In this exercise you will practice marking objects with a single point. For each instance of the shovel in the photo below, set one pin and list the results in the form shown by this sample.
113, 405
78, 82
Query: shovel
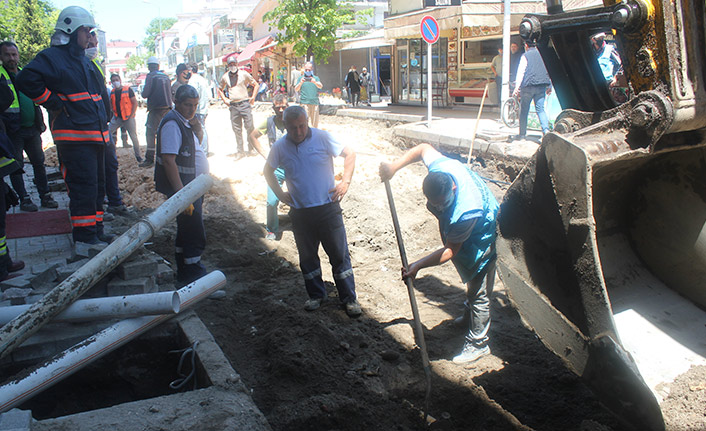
419, 335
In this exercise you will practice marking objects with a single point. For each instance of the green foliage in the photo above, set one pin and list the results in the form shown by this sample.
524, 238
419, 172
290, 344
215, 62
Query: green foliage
153, 30
310, 25
29, 23
135, 62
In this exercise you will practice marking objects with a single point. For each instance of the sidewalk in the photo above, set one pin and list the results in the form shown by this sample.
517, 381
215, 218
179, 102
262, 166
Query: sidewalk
453, 127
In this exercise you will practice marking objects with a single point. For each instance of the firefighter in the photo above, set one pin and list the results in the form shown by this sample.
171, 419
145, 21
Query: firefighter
62, 79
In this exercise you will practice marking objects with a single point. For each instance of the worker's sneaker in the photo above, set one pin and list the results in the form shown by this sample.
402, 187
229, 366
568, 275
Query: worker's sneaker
27, 205
108, 216
48, 202
464, 318
106, 237
313, 304
471, 352
146, 164
353, 309
270, 236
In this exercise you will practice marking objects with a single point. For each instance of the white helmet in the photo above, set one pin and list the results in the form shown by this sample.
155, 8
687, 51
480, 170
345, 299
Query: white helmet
73, 17
152, 60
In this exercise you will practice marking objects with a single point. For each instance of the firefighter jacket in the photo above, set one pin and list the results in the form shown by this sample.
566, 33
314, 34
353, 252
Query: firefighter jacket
125, 102
11, 116
63, 80
8, 164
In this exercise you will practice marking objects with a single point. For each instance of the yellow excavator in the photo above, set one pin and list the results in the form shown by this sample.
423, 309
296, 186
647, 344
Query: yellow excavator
602, 237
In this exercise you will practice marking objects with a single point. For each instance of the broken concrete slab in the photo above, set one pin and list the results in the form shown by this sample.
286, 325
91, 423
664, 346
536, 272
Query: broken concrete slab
63, 272
16, 420
23, 281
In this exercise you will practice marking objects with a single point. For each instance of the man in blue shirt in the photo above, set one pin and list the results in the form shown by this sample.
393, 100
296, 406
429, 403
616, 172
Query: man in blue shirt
306, 155
466, 210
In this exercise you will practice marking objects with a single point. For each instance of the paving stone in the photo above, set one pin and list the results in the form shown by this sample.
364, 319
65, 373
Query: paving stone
98, 290
63, 272
16, 420
164, 275
118, 287
16, 296
23, 282
45, 279
137, 268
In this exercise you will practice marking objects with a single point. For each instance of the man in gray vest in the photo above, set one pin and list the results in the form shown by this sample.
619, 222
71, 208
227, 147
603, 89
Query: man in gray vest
532, 83
274, 128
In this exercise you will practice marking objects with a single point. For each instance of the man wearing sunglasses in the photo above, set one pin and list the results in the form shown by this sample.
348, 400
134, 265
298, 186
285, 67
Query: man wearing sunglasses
274, 128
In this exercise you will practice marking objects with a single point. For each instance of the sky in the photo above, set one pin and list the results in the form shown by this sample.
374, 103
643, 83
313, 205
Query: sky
124, 19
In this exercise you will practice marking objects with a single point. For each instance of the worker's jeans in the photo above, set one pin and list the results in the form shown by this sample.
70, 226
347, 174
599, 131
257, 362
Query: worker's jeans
241, 112
131, 127
154, 117
480, 288
83, 167
323, 225
272, 202
28, 140
538, 93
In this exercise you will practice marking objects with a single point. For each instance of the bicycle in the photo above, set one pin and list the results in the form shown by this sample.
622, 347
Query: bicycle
510, 112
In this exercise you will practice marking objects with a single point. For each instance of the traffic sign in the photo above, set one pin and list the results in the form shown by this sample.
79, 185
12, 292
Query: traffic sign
430, 29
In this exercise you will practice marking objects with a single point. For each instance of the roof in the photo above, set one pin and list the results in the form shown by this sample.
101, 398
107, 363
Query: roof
121, 44
247, 54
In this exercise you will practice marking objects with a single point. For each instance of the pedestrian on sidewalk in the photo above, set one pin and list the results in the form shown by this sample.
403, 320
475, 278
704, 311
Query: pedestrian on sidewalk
366, 85
233, 91
64, 81
308, 88
353, 85
532, 84
466, 210
7, 165
274, 128
124, 105
180, 159
306, 154
295, 75
201, 85
112, 188
24, 123
157, 91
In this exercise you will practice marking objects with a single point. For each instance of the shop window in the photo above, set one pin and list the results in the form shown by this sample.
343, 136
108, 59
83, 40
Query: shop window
480, 51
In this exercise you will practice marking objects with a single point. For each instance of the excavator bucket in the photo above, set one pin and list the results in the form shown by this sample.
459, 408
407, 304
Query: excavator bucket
602, 236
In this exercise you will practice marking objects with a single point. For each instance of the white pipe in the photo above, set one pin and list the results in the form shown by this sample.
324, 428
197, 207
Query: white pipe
75, 358
112, 307
26, 324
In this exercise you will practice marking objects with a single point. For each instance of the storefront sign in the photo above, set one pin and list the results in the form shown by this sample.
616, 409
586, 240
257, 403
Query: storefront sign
433, 3
430, 29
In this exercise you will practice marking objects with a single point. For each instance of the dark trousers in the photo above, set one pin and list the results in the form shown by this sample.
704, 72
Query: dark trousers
536, 93
5, 260
241, 113
154, 117
191, 236
112, 191
29, 141
499, 88
323, 225
83, 167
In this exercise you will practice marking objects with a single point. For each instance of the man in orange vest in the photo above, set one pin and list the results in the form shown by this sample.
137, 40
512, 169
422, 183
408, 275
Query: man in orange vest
124, 104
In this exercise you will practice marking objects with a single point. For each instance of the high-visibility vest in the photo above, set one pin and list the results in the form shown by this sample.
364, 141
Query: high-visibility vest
125, 102
15, 107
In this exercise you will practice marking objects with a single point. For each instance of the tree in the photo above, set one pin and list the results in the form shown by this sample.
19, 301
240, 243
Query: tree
310, 25
135, 62
153, 30
29, 23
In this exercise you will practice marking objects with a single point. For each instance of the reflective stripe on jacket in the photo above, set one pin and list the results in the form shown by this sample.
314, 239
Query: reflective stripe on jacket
64, 81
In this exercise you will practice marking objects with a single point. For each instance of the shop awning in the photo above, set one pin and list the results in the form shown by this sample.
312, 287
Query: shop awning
246, 56
372, 40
